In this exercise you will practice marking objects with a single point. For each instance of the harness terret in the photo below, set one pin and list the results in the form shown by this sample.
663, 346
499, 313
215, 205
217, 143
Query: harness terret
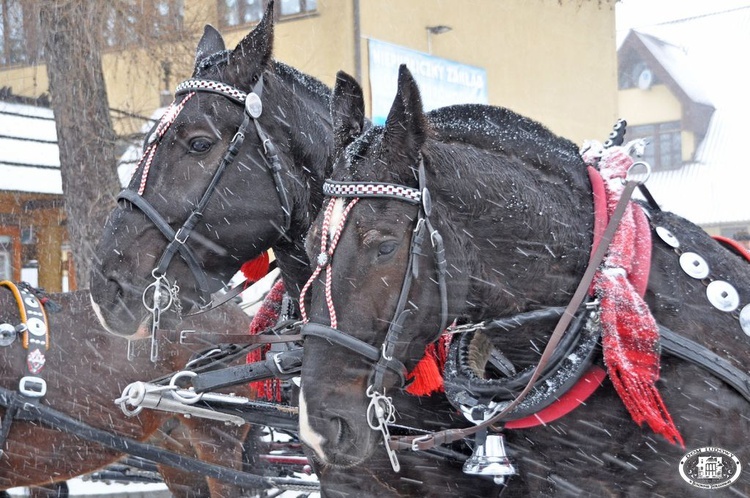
159, 296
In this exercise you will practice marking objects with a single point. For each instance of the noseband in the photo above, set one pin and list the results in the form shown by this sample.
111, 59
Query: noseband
164, 295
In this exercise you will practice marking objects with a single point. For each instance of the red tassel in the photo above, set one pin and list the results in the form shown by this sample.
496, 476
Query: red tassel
257, 268
427, 375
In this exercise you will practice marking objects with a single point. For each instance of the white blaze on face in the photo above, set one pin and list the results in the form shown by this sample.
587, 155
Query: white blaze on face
143, 331
306, 433
99, 315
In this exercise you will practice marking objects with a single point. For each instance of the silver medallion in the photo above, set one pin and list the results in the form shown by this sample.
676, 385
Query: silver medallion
745, 319
253, 105
8, 334
723, 296
667, 237
694, 265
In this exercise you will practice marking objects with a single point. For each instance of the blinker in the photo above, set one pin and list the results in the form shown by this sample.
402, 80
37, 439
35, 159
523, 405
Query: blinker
253, 105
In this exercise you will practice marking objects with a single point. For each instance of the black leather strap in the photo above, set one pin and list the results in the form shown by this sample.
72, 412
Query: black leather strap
352, 343
693, 352
283, 365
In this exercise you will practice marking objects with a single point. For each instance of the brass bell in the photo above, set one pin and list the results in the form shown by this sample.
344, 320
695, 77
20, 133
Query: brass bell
489, 458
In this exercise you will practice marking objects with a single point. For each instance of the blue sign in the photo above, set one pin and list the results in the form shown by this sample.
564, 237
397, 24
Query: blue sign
441, 82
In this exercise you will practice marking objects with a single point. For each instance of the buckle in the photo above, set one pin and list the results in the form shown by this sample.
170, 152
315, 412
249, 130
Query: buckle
182, 235
277, 362
33, 387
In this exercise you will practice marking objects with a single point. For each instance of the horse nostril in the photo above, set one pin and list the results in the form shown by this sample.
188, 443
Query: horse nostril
342, 430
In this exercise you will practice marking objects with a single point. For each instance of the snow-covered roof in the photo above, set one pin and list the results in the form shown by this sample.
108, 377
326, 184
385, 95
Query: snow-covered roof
29, 160
713, 189
29, 157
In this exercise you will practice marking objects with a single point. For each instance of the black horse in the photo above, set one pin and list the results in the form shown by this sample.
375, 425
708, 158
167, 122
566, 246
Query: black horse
265, 199
510, 224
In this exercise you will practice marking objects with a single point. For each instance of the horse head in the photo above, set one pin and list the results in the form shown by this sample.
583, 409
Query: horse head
367, 247
414, 236
228, 173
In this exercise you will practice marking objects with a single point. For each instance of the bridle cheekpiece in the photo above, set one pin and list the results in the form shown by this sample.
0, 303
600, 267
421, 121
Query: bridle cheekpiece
159, 296
380, 411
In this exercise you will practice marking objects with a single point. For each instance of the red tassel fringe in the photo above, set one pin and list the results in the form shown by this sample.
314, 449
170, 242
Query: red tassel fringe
427, 375
257, 268
266, 317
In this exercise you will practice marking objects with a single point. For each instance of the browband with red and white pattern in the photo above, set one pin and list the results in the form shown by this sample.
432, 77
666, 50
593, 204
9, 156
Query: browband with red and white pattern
333, 188
228, 91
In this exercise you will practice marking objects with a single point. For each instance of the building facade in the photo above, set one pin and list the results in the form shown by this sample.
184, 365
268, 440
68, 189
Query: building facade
681, 88
551, 60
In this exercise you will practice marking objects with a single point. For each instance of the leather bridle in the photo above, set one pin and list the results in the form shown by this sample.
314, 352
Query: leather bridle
160, 295
383, 356
380, 411
380, 405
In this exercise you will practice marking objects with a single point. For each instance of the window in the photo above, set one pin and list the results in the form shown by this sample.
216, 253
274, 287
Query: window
663, 144
6, 257
239, 12
132, 22
19, 33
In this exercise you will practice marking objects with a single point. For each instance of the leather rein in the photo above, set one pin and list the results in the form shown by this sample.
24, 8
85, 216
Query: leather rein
159, 296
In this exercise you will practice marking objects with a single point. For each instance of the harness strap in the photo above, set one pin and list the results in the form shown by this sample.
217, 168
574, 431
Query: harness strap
34, 411
451, 435
691, 351
185, 251
35, 329
352, 343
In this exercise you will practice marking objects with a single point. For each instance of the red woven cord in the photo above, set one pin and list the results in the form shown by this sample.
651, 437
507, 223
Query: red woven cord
630, 336
266, 317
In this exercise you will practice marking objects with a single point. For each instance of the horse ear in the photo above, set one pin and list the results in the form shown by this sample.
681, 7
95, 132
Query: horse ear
252, 55
406, 126
347, 110
211, 43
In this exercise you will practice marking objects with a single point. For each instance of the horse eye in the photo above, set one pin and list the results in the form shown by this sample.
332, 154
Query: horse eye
200, 145
387, 247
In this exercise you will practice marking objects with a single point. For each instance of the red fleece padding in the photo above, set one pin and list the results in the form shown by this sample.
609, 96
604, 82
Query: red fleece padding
566, 403
265, 318
733, 245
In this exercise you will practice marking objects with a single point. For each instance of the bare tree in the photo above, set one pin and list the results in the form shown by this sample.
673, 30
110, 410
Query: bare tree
86, 139
73, 34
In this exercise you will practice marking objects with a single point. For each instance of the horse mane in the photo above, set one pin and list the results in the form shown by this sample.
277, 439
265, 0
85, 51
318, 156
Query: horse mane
501, 130
313, 87
214, 66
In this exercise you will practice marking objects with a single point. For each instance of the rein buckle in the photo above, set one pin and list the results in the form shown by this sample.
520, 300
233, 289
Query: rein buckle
32, 387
